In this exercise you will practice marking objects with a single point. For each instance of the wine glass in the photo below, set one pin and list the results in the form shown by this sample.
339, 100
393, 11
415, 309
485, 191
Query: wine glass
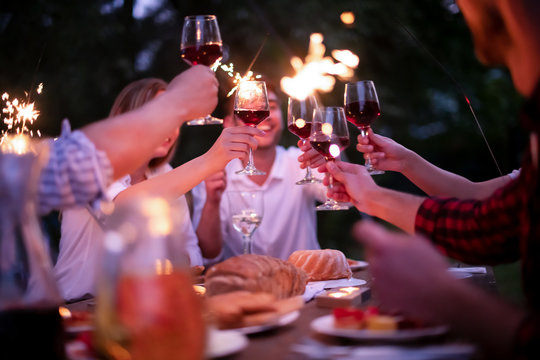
329, 136
361, 108
247, 208
299, 117
201, 44
146, 305
251, 107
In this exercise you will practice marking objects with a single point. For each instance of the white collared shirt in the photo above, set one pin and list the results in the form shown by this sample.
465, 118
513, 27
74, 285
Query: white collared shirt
82, 236
289, 221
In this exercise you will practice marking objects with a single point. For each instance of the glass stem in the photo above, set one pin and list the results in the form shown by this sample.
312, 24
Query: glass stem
364, 134
250, 159
247, 244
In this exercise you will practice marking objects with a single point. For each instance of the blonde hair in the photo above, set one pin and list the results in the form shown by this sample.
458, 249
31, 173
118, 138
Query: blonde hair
135, 95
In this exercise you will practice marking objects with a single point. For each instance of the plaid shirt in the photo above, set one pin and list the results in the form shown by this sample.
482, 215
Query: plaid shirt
502, 228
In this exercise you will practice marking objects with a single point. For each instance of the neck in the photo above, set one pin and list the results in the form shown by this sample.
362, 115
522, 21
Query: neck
138, 175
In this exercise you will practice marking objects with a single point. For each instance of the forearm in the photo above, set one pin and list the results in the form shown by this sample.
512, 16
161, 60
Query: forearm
174, 183
393, 206
129, 139
209, 231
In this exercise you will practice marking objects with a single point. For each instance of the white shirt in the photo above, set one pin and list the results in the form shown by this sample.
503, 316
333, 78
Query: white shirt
289, 221
81, 241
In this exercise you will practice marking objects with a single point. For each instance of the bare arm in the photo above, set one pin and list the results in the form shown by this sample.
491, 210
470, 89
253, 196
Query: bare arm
129, 139
209, 229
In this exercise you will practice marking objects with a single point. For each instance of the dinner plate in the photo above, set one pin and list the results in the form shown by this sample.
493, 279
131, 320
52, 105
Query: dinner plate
330, 284
281, 321
357, 264
460, 275
224, 342
325, 325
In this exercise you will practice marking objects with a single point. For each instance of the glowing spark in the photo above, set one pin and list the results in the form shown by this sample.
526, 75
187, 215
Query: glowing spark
300, 123
347, 17
334, 150
327, 129
18, 115
237, 77
317, 72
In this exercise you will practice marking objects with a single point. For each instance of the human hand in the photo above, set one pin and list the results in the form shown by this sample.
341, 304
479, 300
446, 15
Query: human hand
310, 157
351, 183
409, 276
385, 153
193, 92
234, 142
215, 186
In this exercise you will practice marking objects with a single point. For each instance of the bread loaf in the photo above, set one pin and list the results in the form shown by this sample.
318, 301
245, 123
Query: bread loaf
321, 264
256, 273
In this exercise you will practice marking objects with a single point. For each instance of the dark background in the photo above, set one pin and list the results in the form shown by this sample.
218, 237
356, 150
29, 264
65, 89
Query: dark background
85, 52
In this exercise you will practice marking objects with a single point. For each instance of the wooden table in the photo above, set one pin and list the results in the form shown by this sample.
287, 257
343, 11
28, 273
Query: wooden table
277, 343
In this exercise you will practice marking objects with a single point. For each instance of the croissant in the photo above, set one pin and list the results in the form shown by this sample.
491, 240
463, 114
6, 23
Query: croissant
256, 273
325, 264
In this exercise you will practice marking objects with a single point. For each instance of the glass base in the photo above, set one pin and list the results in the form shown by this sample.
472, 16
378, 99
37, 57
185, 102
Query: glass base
305, 181
207, 120
333, 206
375, 171
250, 171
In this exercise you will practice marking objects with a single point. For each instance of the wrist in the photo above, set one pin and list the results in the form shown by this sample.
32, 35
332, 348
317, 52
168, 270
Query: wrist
409, 162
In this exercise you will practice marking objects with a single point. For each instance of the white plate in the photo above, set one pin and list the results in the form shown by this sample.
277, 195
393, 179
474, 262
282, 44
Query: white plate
325, 325
282, 321
224, 342
460, 275
330, 284
357, 264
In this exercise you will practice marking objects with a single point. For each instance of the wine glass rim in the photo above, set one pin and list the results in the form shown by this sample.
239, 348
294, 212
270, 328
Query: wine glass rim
204, 17
330, 108
359, 82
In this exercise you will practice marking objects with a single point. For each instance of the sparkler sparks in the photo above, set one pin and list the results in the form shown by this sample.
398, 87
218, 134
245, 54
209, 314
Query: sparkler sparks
18, 115
237, 78
318, 71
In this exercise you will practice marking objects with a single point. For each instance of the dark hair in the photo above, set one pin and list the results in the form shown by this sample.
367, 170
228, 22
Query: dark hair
135, 95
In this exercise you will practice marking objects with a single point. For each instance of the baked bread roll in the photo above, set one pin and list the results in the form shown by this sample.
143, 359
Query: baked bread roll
256, 273
319, 265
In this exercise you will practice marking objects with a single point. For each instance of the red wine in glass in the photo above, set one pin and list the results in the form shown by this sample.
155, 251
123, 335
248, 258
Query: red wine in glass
324, 146
362, 113
204, 54
301, 132
252, 117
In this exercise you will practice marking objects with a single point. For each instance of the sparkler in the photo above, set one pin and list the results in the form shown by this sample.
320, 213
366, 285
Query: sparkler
317, 72
18, 115
237, 77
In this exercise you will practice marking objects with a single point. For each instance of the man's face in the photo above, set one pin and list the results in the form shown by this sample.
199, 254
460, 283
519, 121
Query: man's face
488, 30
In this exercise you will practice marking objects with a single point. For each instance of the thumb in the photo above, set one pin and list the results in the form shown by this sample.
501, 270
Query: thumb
375, 139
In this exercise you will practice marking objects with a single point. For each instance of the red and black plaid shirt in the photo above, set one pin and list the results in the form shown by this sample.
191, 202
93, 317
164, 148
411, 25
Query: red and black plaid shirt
502, 228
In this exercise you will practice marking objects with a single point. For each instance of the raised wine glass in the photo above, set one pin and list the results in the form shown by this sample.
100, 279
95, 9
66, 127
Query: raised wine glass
361, 108
247, 209
299, 118
330, 136
251, 107
201, 44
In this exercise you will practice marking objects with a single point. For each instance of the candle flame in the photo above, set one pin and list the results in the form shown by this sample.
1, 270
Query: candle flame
64, 312
317, 72
338, 294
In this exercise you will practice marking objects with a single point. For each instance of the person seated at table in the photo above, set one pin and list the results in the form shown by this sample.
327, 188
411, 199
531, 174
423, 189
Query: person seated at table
81, 230
82, 163
289, 221
501, 228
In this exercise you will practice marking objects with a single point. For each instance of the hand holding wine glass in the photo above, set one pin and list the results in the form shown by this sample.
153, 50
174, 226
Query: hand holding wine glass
361, 109
299, 119
247, 208
201, 44
251, 107
330, 136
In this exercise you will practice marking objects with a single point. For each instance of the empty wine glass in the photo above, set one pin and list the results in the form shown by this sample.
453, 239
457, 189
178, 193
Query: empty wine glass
299, 118
201, 44
251, 107
329, 136
247, 208
361, 108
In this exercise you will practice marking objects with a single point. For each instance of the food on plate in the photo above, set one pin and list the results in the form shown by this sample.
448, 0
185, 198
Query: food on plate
243, 308
368, 319
256, 273
319, 265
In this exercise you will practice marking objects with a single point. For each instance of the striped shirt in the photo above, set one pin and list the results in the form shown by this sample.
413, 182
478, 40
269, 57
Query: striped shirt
76, 172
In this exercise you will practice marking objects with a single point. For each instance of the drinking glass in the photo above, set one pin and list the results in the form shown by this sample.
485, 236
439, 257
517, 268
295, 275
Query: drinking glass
146, 305
201, 44
299, 118
247, 208
361, 109
251, 107
329, 136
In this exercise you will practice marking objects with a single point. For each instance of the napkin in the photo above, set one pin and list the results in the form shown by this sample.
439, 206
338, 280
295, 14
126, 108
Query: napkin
312, 289
471, 270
